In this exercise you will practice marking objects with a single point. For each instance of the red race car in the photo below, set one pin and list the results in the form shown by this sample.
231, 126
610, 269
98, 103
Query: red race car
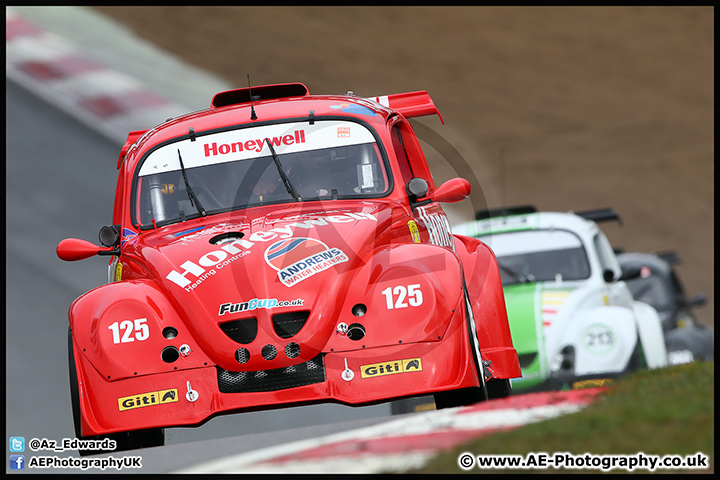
281, 248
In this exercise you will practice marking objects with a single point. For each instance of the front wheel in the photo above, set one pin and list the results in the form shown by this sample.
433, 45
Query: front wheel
498, 388
154, 437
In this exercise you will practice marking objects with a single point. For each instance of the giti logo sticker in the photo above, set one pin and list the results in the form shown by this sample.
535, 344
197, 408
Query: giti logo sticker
147, 399
388, 368
414, 231
296, 259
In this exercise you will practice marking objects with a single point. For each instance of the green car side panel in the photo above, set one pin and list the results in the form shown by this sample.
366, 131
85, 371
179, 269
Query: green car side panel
523, 307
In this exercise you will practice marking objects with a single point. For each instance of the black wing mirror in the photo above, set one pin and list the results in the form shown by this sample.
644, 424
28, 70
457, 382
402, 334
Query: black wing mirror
628, 273
110, 235
454, 190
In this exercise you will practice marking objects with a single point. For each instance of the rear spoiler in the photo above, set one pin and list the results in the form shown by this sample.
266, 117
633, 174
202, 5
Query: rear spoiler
600, 215
412, 104
670, 257
504, 212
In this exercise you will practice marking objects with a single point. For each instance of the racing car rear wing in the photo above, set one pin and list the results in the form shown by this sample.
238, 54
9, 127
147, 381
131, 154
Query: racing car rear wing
411, 104
600, 215
670, 256
504, 212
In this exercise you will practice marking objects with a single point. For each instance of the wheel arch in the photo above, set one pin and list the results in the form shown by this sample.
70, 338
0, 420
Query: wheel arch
484, 287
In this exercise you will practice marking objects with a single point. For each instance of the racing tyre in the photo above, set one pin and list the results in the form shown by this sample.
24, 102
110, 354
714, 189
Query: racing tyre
498, 388
125, 440
471, 395
637, 359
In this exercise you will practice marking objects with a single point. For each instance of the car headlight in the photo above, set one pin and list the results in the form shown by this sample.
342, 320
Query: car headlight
564, 361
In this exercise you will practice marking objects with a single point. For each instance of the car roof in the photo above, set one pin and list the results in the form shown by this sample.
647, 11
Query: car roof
267, 111
531, 221
273, 103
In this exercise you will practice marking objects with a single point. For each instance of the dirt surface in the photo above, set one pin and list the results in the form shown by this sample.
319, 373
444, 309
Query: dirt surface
565, 108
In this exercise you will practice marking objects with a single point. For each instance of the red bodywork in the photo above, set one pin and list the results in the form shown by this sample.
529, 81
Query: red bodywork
184, 308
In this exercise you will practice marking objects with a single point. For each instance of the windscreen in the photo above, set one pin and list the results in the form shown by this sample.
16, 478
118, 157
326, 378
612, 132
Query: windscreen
539, 256
270, 164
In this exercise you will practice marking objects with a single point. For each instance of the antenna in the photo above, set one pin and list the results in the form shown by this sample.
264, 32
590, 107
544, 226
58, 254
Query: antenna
252, 108
502, 176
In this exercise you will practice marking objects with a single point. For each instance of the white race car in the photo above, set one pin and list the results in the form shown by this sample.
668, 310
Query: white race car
573, 319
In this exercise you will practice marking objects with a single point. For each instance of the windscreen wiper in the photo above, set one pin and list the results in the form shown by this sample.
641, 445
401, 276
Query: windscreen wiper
283, 175
191, 195
522, 278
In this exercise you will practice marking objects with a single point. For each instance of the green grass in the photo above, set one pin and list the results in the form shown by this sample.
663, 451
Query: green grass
656, 412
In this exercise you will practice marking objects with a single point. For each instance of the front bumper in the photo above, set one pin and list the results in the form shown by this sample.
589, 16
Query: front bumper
378, 374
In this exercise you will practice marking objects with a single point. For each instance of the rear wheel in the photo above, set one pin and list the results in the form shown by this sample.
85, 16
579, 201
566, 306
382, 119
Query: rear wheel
154, 437
470, 395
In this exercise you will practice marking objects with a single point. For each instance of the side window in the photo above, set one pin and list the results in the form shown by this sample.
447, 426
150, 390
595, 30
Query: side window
408, 148
401, 155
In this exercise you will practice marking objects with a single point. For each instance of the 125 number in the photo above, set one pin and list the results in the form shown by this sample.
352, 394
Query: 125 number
395, 297
131, 330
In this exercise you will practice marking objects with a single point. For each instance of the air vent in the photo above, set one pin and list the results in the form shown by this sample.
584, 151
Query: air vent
269, 352
226, 237
242, 355
308, 373
287, 325
292, 350
261, 92
241, 331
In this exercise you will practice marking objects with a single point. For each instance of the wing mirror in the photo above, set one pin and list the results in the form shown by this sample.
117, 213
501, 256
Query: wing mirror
416, 188
629, 273
451, 191
73, 249
608, 275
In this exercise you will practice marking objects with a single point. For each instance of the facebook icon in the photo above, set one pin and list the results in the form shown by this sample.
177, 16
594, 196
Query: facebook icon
17, 462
